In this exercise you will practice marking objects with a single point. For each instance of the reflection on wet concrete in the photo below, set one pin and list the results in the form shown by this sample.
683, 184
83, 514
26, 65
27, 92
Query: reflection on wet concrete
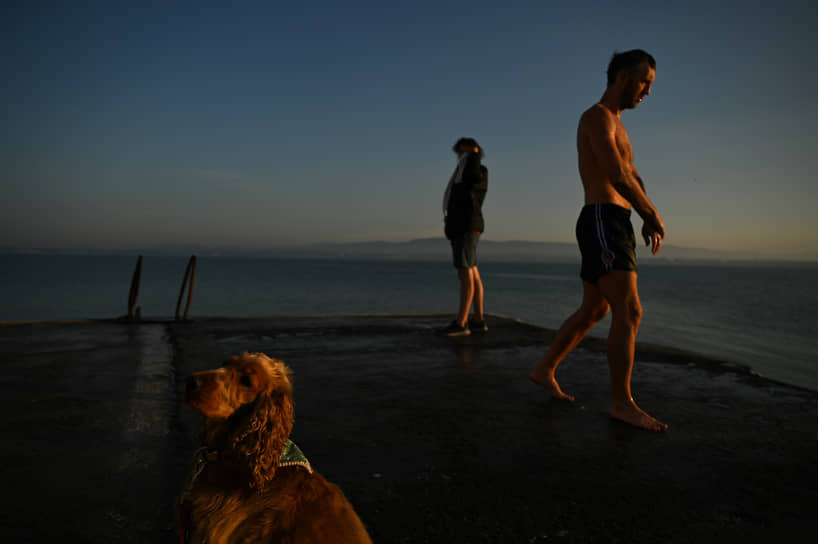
433, 439
87, 428
468, 354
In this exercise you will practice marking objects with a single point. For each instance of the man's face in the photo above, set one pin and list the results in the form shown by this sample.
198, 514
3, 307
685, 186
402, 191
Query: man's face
637, 85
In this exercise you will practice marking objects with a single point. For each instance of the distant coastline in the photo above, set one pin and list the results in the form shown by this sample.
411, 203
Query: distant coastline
433, 249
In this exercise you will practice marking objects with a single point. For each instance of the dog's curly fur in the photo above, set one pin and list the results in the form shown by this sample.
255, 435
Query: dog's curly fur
244, 496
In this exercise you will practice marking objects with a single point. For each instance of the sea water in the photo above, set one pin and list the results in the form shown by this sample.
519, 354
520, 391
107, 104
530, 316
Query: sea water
759, 316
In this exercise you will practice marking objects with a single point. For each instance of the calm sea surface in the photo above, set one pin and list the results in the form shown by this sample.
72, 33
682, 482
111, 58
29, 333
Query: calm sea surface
763, 317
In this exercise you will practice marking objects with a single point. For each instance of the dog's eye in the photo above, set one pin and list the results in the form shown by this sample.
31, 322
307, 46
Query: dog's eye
245, 381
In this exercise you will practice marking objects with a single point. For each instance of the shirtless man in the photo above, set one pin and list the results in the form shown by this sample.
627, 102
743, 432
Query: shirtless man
606, 239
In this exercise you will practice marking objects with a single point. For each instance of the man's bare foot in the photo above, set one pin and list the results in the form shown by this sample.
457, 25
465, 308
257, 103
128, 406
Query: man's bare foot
550, 383
630, 413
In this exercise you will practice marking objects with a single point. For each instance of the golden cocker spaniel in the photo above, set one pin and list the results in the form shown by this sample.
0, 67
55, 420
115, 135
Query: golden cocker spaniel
250, 483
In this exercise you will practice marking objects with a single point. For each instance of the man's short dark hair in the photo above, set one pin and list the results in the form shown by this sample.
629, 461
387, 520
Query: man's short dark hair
629, 61
471, 143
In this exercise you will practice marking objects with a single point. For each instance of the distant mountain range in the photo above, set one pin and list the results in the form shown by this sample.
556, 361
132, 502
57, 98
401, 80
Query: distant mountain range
424, 249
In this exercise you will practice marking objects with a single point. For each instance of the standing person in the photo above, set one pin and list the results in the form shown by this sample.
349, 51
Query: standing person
606, 239
463, 215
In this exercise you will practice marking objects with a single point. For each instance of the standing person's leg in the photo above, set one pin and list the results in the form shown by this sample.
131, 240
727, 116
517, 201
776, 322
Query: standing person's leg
478, 295
619, 288
467, 272
478, 321
460, 259
466, 294
594, 307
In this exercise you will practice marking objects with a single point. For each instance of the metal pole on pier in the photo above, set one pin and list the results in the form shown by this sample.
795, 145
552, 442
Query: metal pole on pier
190, 272
134, 292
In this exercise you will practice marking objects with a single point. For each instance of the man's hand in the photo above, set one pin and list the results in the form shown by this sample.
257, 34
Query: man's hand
653, 231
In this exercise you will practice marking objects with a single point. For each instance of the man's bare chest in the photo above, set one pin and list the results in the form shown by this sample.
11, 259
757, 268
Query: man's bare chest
623, 143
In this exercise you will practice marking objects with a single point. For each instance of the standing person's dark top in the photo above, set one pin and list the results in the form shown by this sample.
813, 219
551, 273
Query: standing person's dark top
463, 216
464, 209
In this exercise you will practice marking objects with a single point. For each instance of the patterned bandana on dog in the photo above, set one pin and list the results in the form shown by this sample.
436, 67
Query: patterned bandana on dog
293, 456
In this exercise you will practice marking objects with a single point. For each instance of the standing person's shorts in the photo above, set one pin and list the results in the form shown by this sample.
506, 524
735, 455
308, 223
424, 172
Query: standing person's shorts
464, 250
606, 240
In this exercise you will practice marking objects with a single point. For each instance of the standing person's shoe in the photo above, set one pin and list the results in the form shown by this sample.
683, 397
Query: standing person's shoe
456, 329
478, 326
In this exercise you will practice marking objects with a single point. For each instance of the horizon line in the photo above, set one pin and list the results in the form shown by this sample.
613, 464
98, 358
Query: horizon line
185, 249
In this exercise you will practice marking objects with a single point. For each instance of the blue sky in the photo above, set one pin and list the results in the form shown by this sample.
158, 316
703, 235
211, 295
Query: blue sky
259, 124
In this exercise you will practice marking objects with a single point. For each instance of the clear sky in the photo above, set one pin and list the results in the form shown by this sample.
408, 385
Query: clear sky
258, 124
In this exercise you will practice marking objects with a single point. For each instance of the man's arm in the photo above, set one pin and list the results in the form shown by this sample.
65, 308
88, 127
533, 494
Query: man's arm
653, 236
624, 177
602, 137
639, 179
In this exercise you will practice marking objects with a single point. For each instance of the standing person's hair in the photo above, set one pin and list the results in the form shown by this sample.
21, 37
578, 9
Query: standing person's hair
471, 143
629, 61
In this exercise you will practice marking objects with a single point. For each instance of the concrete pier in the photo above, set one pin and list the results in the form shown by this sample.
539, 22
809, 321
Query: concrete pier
433, 439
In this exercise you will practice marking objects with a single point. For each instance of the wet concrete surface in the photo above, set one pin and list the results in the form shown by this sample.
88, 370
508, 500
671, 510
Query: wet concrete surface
433, 439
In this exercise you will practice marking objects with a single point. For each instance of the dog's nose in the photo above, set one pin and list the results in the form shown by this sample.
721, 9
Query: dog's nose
191, 385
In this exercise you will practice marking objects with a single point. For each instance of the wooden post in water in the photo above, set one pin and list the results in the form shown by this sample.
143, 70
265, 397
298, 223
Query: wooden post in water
134, 292
190, 272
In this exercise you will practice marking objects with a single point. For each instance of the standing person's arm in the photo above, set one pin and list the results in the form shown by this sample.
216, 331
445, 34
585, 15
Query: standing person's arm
471, 170
653, 236
623, 177
484, 176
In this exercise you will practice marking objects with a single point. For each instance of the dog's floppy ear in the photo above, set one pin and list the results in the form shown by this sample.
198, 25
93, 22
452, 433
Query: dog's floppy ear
261, 437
